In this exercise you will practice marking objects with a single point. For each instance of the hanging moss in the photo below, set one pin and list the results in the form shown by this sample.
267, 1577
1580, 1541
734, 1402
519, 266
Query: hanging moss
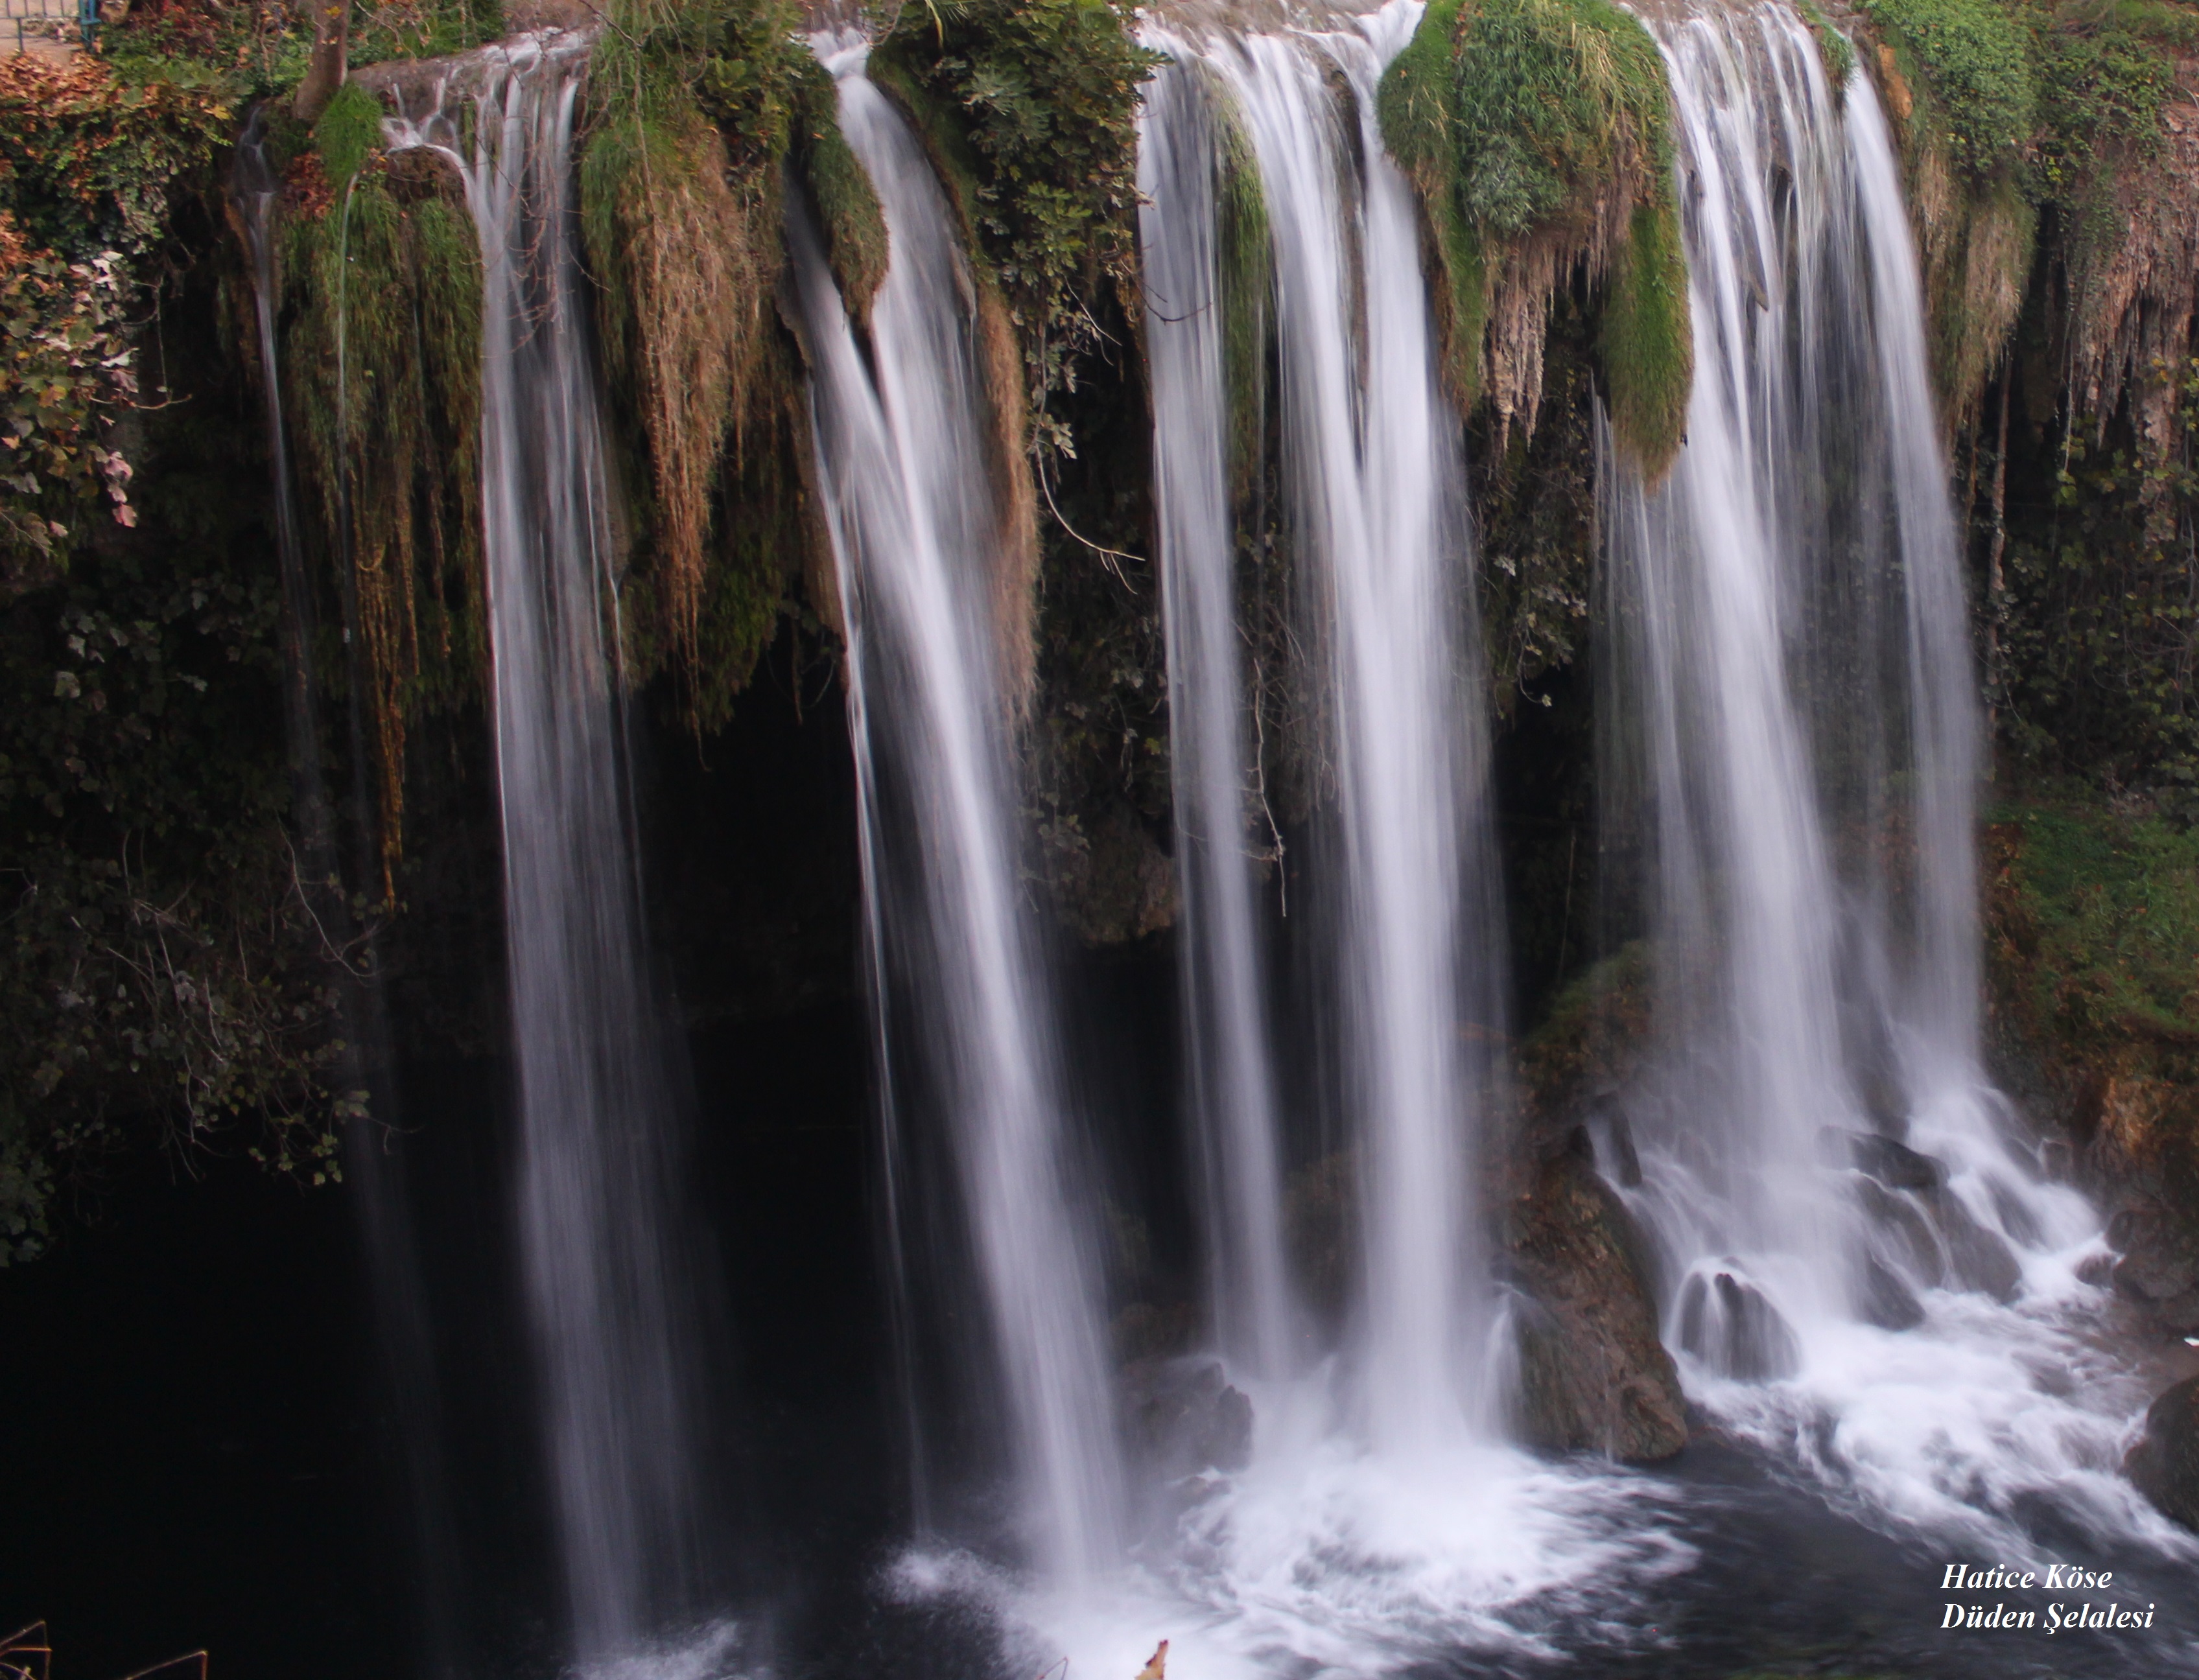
696, 114
1247, 262
840, 188
1539, 135
1030, 107
1647, 341
383, 364
1957, 78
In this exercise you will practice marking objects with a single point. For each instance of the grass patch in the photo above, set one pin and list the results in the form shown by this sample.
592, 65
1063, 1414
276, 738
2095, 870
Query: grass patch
347, 133
696, 114
1029, 107
1539, 134
1973, 58
2095, 918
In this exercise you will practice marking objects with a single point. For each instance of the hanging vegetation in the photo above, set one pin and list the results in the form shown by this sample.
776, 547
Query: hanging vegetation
89, 165
382, 361
1030, 107
1957, 78
160, 981
1539, 135
695, 113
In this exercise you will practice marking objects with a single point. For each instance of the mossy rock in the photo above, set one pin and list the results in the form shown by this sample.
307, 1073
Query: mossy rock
1593, 1374
1539, 135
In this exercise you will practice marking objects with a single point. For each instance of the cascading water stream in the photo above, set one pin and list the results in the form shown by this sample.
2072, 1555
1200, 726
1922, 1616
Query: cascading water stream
917, 538
1381, 1523
1795, 721
1231, 1085
1374, 469
608, 1257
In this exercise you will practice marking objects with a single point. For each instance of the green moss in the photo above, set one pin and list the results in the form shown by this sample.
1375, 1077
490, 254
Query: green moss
1247, 259
2099, 913
1513, 118
348, 132
1030, 107
840, 188
1834, 50
1647, 341
1972, 57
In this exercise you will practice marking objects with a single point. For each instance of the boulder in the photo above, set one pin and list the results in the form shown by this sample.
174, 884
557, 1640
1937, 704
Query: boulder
2159, 1267
1902, 1222
1977, 1258
2159, 1258
1593, 1373
1895, 1165
1181, 1416
2164, 1465
1886, 1300
1733, 1328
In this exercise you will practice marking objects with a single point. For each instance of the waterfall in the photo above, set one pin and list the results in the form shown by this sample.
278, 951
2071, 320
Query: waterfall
605, 1245
1232, 1083
1375, 474
1794, 749
917, 538
402, 1331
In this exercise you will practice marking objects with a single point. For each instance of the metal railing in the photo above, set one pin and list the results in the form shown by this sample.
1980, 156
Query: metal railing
68, 22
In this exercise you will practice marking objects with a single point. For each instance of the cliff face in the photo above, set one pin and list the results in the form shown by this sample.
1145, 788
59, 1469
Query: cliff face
2053, 163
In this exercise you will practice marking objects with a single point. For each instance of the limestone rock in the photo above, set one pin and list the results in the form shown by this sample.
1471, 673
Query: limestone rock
2164, 1465
1593, 1373
1733, 1328
1978, 1258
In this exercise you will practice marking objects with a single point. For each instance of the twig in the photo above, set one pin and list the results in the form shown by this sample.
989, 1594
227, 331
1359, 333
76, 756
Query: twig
198, 1657
1108, 557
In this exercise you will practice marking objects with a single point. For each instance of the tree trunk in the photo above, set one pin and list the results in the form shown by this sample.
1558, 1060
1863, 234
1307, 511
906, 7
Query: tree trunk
331, 53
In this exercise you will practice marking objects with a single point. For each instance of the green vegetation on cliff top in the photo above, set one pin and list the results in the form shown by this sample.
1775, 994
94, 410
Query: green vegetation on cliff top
1539, 134
1031, 109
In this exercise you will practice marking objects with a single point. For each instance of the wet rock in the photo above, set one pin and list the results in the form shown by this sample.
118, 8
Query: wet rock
2154, 1276
1895, 1165
2097, 1269
1181, 1416
1607, 1116
1977, 1258
2164, 1465
2057, 1161
1903, 1223
1147, 1330
1887, 1301
2159, 1267
419, 173
1593, 1373
2160, 1258
1113, 883
1732, 1328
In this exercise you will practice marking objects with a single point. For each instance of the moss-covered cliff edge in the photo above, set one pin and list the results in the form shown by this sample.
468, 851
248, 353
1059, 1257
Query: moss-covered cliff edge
2051, 154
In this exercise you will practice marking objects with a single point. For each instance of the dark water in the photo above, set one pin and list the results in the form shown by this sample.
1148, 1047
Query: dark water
197, 1450
198, 1447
